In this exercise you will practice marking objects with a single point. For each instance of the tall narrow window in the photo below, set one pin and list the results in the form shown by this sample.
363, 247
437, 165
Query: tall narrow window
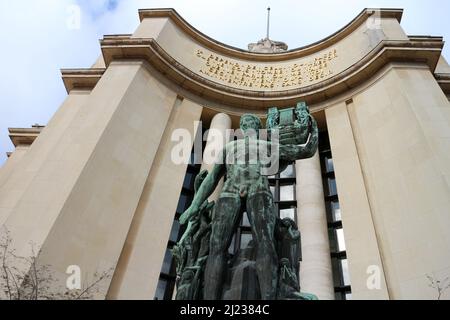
167, 277
335, 231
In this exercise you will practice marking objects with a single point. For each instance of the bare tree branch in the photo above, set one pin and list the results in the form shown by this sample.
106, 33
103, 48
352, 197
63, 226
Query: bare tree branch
36, 281
104, 275
16, 285
4, 264
440, 286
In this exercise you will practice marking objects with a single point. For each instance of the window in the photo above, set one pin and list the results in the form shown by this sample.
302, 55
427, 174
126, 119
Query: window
246, 237
289, 172
242, 236
287, 193
189, 180
167, 277
288, 213
183, 202
329, 167
341, 276
161, 289
331, 189
340, 239
174, 233
335, 211
342, 280
345, 273
245, 221
167, 262
282, 187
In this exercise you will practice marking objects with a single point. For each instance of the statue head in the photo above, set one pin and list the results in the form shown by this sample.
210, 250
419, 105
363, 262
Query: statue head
250, 122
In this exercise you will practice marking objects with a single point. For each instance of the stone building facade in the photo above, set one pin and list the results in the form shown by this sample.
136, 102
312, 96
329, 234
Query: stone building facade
97, 188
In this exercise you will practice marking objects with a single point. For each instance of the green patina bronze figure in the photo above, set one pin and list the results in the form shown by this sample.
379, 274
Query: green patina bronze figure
192, 250
202, 272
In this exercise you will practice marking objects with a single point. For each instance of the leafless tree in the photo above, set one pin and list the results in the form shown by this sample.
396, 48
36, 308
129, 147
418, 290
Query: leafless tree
439, 285
38, 282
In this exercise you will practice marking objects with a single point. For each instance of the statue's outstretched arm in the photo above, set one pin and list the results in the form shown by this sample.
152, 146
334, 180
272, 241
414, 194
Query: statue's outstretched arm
290, 152
206, 189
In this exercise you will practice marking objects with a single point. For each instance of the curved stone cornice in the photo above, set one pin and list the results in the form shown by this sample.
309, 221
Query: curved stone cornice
230, 51
419, 51
182, 66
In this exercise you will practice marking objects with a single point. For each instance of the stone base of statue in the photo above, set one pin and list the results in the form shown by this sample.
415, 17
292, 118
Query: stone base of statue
241, 280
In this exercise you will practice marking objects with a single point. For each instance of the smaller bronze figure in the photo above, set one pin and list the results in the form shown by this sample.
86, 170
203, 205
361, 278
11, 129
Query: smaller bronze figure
192, 250
289, 256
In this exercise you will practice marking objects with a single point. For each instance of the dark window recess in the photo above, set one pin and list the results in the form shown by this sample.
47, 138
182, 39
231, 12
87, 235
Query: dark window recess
189, 181
333, 211
282, 187
161, 289
183, 202
175, 231
342, 286
167, 277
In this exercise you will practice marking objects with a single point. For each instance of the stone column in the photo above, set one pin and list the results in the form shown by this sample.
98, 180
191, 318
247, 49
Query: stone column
79, 207
220, 123
316, 273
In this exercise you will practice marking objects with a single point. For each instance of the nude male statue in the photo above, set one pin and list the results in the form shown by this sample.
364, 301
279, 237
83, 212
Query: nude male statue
245, 189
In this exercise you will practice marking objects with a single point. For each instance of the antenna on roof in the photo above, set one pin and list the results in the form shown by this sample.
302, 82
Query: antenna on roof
266, 45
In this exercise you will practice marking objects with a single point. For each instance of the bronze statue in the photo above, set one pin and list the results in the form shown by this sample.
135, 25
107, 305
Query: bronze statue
246, 189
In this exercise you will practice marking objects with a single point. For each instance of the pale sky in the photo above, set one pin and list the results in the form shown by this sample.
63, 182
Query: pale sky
37, 42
